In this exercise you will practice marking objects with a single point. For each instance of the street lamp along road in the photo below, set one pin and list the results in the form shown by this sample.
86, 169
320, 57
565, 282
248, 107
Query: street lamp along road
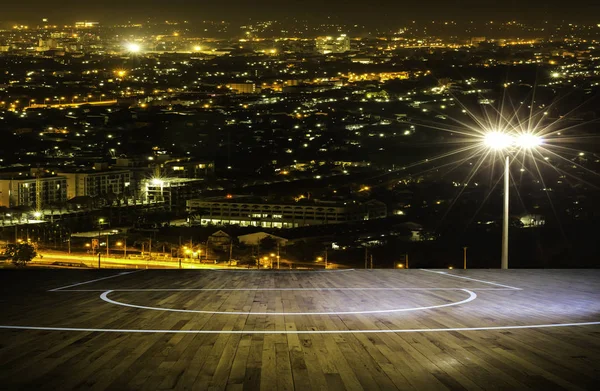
100, 222
508, 143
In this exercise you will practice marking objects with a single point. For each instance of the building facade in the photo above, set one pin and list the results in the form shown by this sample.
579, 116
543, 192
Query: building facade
326, 45
268, 215
172, 192
243, 88
188, 169
93, 183
24, 192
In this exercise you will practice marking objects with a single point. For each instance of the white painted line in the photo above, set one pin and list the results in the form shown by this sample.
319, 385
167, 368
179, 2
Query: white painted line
168, 331
280, 271
89, 282
279, 289
472, 279
472, 296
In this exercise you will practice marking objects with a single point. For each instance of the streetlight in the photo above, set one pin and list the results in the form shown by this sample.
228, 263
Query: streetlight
100, 222
119, 244
501, 141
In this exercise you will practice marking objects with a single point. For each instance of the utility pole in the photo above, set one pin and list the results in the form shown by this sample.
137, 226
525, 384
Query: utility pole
366, 257
107, 247
125, 248
230, 251
406, 258
277, 254
99, 257
325, 258
371, 261
465, 257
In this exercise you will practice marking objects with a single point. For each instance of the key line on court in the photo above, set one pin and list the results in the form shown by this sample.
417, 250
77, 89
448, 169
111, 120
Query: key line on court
472, 279
89, 282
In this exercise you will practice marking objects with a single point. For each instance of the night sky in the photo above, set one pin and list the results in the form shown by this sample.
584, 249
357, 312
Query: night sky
370, 12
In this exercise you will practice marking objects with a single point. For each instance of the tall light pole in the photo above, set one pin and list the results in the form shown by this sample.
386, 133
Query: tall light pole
100, 221
508, 143
505, 214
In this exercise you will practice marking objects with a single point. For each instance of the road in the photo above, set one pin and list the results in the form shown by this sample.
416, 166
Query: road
91, 261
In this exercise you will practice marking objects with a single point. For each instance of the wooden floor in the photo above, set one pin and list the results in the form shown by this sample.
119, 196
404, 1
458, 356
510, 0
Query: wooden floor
238, 330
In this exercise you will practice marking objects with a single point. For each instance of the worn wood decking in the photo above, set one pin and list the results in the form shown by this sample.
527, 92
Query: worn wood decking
355, 329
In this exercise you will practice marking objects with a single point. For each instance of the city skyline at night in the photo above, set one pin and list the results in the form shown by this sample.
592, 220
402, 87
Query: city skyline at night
385, 13
300, 195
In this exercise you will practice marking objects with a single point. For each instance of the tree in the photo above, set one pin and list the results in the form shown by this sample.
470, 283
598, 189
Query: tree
20, 253
268, 244
3, 212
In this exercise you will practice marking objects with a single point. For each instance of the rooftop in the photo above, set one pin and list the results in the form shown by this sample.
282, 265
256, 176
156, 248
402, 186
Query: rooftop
295, 329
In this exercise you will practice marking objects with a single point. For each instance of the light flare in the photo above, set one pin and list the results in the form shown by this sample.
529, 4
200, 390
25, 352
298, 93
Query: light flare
133, 47
498, 140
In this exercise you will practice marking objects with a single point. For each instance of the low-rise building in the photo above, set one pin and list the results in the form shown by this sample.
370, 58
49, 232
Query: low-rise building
243, 88
245, 212
255, 238
185, 168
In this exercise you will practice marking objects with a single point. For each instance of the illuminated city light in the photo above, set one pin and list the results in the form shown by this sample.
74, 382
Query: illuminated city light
498, 140
133, 47
528, 141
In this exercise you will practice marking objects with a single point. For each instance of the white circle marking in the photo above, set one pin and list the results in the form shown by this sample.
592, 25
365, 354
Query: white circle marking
472, 296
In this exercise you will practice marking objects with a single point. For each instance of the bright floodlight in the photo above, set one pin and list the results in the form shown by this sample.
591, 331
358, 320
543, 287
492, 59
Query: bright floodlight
528, 140
157, 182
133, 47
498, 140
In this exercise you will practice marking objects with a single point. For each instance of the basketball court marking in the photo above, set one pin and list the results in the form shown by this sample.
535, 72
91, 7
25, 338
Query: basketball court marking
285, 271
472, 296
89, 282
472, 279
369, 331
279, 289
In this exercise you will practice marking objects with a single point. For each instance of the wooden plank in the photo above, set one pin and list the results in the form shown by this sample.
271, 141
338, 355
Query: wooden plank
548, 358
